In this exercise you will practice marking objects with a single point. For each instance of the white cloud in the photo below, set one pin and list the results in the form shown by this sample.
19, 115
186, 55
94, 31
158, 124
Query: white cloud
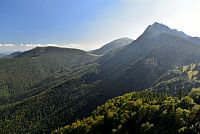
6, 45
8, 48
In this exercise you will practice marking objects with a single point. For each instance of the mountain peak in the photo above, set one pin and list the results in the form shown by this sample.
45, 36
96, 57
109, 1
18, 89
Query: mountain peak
158, 28
158, 24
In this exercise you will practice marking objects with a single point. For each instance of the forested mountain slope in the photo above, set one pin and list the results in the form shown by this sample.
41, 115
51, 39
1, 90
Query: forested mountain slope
142, 112
139, 64
20, 73
52, 103
66, 95
178, 82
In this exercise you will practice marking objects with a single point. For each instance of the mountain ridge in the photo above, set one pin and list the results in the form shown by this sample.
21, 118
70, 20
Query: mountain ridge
121, 42
20, 72
134, 67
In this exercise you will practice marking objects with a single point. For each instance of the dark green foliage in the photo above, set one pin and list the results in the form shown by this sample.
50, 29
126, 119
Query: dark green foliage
195, 95
141, 112
60, 87
178, 82
20, 74
58, 100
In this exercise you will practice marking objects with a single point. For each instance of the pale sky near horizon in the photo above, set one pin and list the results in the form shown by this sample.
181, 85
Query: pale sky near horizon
91, 23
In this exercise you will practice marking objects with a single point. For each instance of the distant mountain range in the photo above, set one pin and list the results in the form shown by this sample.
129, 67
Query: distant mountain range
112, 45
47, 88
12, 55
2, 55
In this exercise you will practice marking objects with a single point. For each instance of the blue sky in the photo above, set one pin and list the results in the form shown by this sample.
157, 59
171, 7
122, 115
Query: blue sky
48, 21
91, 23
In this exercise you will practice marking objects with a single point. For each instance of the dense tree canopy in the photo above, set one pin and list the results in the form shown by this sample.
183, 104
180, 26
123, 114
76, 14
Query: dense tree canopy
18, 75
142, 112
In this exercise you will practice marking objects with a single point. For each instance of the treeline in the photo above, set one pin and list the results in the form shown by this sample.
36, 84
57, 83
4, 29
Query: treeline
142, 112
